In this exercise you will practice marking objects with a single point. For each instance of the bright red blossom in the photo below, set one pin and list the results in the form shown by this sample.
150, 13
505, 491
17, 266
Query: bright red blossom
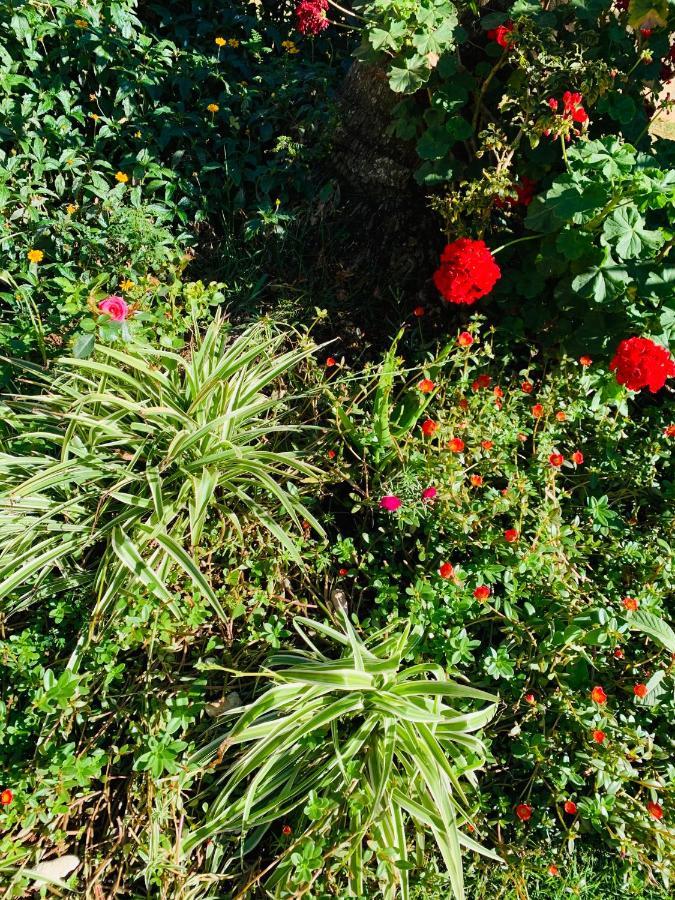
655, 810
502, 34
330, 362
630, 603
553, 870
529, 698
419, 311
391, 503
483, 381
585, 361
598, 736
467, 271
537, 410
286, 830
640, 691
577, 457
598, 696
556, 460
476, 480
310, 16
524, 811
331, 454
669, 431
429, 427
6, 797
618, 653
482, 592
570, 807
426, 385
465, 339
487, 445
639, 363
456, 445
429, 494
446, 570
527, 387
511, 535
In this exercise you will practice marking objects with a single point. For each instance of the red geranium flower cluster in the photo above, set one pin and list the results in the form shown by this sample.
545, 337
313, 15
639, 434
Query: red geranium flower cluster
502, 34
467, 271
572, 108
310, 16
639, 362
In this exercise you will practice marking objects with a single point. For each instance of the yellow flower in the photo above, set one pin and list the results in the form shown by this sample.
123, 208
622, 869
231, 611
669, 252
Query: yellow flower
221, 41
94, 117
213, 107
92, 96
35, 256
233, 42
82, 23
289, 46
137, 134
126, 285
122, 177
293, 49
71, 208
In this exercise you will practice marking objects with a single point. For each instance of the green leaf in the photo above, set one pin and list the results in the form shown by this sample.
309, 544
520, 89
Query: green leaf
625, 230
653, 627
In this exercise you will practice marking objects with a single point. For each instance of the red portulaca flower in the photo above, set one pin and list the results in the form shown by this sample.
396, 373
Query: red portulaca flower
465, 339
467, 271
598, 696
476, 480
456, 445
556, 460
585, 361
286, 830
577, 458
640, 691
429, 494
502, 34
527, 387
553, 870
426, 385
598, 736
116, 307
310, 16
487, 445
6, 797
524, 811
429, 427
391, 503
483, 381
630, 603
655, 810
482, 592
446, 570
537, 410
570, 807
669, 431
419, 311
639, 363
511, 535
330, 362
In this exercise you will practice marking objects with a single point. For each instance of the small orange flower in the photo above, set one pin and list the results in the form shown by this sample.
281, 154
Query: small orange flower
426, 385
640, 691
630, 604
429, 427
553, 870
6, 797
476, 480
465, 339
122, 177
527, 387
537, 410
598, 736
482, 592
556, 460
456, 445
669, 431
524, 811
655, 810
221, 41
585, 361
82, 23
213, 107
286, 830
419, 311
598, 696
446, 570
35, 256
330, 362
487, 445
560, 415
578, 458
498, 392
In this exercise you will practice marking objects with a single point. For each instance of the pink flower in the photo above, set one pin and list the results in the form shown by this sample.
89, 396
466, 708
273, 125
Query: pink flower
391, 503
429, 494
116, 307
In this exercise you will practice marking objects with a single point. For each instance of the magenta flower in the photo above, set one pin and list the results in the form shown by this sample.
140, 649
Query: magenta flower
429, 493
391, 503
115, 307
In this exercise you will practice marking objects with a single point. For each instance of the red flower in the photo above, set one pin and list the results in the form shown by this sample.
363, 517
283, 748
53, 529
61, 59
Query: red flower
585, 361
456, 445
310, 16
419, 311
446, 570
501, 34
640, 690
537, 410
467, 271
331, 454
570, 807
556, 460
465, 339
578, 458
483, 381
572, 107
524, 811
618, 653
498, 392
426, 385
343, 572
476, 480
553, 870
630, 603
646, 33
330, 362
429, 494
598, 736
482, 592
553, 103
487, 445
511, 535
598, 696
529, 698
669, 431
6, 797
391, 503
560, 415
527, 387
463, 403
429, 427
639, 362
286, 830
655, 810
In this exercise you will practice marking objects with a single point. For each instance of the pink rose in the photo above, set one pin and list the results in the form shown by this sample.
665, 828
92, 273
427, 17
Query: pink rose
429, 493
115, 307
391, 503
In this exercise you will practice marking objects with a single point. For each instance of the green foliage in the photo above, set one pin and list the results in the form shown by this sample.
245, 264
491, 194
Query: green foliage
382, 745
